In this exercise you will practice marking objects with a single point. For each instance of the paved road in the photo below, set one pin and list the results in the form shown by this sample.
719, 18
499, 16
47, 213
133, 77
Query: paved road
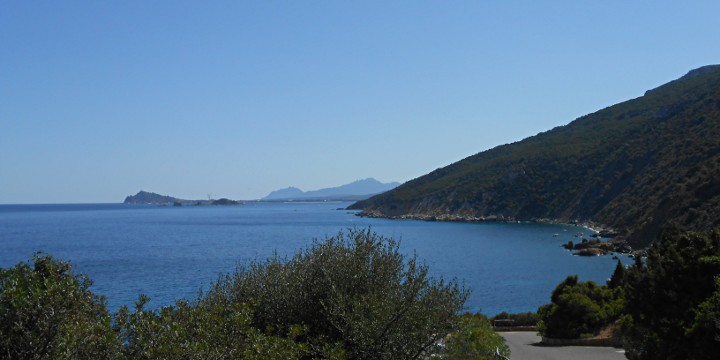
523, 346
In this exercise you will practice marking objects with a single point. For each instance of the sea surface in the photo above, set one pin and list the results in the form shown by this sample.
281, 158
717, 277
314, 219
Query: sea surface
170, 253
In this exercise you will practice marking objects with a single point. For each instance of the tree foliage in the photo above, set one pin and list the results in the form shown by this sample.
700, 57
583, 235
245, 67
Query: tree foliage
668, 305
351, 296
353, 291
619, 277
579, 309
475, 339
193, 331
672, 299
47, 312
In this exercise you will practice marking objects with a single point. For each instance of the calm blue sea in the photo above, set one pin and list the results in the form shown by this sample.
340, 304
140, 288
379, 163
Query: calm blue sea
170, 253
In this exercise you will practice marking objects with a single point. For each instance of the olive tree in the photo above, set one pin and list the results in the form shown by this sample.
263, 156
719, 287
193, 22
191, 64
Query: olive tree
475, 340
355, 294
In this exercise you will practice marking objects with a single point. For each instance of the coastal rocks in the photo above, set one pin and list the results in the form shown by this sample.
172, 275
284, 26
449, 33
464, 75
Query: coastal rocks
608, 234
596, 247
446, 217
591, 252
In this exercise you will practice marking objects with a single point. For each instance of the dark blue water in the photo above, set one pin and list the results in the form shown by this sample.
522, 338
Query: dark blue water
170, 253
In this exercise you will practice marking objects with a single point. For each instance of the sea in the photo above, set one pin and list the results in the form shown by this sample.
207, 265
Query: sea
171, 253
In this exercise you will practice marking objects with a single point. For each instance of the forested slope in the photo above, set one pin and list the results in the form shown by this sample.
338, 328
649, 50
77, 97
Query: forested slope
637, 166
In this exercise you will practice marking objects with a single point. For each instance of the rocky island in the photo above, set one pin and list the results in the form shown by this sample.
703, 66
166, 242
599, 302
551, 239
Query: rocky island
150, 198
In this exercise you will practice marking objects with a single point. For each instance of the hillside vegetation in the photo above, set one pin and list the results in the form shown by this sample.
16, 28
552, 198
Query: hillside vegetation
636, 166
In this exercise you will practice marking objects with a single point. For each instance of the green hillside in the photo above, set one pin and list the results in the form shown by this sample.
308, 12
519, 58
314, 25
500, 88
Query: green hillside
637, 166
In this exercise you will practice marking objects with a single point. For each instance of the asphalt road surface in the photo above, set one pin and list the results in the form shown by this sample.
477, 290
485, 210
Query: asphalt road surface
524, 346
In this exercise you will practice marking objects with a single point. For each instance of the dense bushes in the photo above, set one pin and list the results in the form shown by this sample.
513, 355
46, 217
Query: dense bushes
352, 296
475, 339
199, 332
46, 312
668, 305
673, 297
354, 291
579, 309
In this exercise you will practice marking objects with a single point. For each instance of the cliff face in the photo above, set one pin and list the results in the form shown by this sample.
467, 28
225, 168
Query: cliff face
637, 166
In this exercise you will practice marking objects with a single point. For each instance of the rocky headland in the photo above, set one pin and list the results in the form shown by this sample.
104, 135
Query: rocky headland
150, 198
639, 166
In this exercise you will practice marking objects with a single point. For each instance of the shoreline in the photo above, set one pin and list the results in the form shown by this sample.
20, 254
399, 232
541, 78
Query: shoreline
593, 246
589, 225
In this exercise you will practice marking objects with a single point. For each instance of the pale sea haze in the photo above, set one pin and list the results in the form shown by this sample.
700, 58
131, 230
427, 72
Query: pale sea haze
170, 253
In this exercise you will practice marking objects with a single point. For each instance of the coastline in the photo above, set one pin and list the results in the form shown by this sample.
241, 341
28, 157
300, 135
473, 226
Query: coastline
614, 242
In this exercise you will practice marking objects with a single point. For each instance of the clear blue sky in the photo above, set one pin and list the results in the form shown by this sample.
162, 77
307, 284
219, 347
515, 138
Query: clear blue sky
100, 99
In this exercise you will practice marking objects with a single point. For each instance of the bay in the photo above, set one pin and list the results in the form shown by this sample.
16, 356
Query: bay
170, 253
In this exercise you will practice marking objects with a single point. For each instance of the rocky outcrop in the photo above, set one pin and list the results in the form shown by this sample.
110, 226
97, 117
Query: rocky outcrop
596, 247
224, 202
150, 198
144, 197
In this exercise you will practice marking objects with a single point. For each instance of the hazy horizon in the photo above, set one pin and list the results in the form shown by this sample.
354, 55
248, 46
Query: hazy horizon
99, 100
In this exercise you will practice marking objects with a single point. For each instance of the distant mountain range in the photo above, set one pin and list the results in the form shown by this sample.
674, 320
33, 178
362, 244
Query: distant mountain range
357, 190
638, 166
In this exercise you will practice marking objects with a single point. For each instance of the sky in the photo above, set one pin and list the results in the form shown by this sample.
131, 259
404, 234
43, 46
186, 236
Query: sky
235, 99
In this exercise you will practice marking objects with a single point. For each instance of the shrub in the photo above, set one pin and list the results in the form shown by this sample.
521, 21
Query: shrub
672, 299
475, 339
351, 296
354, 292
579, 309
189, 331
47, 312
705, 330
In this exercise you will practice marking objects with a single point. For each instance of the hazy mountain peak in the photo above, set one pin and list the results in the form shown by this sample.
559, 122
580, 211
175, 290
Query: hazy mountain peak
353, 191
288, 192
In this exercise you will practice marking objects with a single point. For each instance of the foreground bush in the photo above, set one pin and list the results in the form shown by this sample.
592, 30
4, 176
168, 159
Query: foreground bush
47, 312
475, 339
354, 293
198, 332
352, 296
579, 309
